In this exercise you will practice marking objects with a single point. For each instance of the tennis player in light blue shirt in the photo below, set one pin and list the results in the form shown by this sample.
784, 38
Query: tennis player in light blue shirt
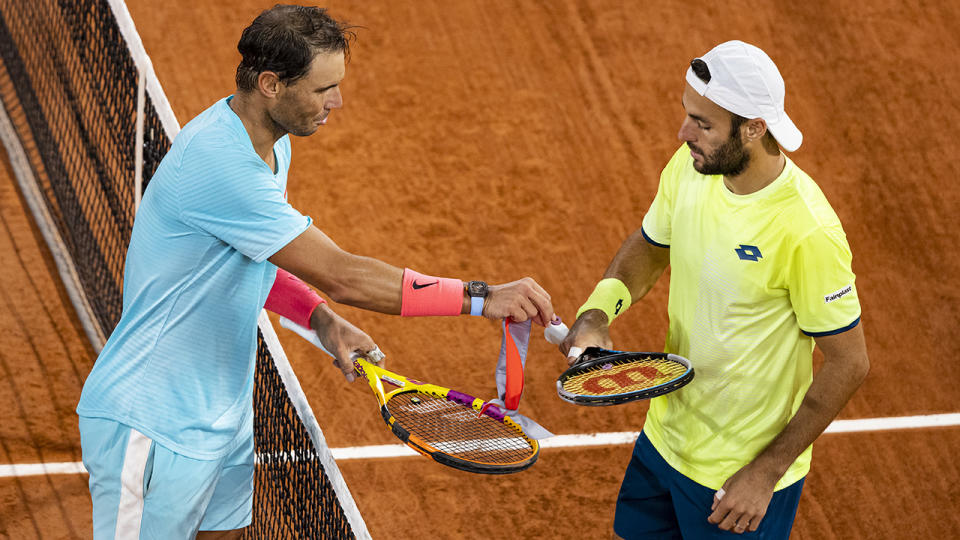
213, 213
166, 415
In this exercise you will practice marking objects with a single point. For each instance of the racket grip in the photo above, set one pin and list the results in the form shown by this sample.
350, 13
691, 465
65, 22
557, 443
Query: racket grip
305, 333
555, 332
374, 356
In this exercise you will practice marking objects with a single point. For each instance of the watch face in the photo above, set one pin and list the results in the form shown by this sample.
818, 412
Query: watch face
477, 288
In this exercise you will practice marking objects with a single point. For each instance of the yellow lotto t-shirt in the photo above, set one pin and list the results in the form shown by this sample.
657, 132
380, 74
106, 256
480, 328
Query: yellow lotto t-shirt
753, 280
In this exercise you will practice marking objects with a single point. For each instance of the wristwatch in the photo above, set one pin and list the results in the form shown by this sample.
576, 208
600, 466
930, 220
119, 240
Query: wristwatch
477, 290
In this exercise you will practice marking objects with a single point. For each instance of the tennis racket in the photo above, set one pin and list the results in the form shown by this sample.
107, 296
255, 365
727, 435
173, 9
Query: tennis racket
607, 377
454, 428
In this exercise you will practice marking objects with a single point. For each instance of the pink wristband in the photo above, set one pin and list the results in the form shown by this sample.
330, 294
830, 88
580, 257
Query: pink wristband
292, 298
427, 295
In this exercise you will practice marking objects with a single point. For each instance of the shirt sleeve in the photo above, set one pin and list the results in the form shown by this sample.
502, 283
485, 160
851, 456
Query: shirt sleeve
822, 283
658, 221
235, 197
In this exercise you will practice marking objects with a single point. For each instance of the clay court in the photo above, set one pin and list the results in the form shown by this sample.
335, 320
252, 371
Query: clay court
498, 139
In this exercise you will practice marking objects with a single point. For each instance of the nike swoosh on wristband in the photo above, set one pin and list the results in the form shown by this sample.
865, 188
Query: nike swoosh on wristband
422, 285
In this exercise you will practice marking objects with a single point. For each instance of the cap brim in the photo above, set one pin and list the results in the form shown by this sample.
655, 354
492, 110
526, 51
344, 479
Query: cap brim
786, 133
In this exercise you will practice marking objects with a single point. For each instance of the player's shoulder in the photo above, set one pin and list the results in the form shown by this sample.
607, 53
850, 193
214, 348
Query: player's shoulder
679, 171
216, 134
808, 207
680, 162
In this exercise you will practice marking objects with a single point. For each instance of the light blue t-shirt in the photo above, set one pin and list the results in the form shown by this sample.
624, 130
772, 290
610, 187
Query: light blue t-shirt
179, 367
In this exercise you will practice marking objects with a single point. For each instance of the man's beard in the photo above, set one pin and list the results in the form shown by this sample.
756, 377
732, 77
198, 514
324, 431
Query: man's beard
730, 159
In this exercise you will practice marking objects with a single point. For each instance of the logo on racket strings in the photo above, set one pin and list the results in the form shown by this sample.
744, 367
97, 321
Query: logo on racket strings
605, 382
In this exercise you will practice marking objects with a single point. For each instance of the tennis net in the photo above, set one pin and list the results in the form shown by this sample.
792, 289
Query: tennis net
86, 123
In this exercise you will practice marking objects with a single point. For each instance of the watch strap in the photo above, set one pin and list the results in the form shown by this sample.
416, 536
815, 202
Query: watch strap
476, 305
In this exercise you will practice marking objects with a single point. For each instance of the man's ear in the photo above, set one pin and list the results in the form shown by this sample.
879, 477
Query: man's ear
754, 129
268, 84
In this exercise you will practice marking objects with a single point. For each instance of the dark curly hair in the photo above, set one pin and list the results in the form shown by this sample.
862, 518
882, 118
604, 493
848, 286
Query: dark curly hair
284, 39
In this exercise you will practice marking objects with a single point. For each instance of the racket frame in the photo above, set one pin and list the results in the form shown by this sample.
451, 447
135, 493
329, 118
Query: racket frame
375, 375
596, 356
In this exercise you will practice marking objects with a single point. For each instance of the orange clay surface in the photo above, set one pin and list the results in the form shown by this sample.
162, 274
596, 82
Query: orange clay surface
500, 139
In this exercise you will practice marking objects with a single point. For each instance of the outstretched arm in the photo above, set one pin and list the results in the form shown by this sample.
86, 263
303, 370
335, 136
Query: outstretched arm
346, 278
372, 284
638, 264
748, 492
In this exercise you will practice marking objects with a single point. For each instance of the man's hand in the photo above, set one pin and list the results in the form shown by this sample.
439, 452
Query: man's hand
590, 330
341, 338
744, 501
520, 300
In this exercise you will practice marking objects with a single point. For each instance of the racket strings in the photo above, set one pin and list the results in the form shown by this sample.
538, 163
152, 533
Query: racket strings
624, 375
456, 430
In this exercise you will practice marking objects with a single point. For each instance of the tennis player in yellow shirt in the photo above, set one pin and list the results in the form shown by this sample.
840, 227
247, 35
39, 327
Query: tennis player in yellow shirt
760, 273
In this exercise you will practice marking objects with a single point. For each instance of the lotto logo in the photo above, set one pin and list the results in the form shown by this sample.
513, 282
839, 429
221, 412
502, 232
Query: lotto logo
748, 253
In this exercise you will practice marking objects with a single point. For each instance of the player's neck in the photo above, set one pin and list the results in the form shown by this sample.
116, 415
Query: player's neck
261, 129
763, 169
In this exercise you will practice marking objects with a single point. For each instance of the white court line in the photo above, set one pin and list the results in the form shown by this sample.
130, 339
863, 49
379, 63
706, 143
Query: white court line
559, 441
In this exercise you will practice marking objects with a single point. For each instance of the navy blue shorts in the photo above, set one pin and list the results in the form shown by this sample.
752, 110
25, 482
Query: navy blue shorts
657, 502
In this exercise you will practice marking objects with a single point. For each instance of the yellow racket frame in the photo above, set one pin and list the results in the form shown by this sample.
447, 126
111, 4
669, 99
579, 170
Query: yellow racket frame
376, 375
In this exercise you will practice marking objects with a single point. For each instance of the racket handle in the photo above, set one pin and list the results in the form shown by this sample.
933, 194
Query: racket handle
374, 356
555, 332
305, 333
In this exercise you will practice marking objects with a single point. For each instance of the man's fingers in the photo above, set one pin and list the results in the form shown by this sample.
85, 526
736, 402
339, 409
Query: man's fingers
541, 302
348, 373
716, 498
374, 355
521, 300
520, 309
729, 523
573, 355
721, 515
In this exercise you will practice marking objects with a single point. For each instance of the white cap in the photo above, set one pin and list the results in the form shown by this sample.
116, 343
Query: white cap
745, 81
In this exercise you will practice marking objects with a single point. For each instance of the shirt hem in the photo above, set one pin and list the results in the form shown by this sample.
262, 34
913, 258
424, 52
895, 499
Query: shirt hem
279, 244
793, 474
850, 326
651, 240
163, 440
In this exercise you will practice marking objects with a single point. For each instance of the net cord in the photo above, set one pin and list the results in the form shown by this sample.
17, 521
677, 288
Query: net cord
142, 61
138, 142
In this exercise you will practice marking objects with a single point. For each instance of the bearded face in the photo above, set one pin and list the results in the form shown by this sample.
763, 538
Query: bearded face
728, 159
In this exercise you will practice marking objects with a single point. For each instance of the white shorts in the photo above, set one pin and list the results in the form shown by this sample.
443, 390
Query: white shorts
141, 489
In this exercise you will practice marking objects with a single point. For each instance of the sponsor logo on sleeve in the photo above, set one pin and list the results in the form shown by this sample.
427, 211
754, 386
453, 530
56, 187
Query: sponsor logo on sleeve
838, 294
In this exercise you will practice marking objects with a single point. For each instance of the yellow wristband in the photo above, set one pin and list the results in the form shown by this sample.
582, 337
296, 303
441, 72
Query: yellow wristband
610, 296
